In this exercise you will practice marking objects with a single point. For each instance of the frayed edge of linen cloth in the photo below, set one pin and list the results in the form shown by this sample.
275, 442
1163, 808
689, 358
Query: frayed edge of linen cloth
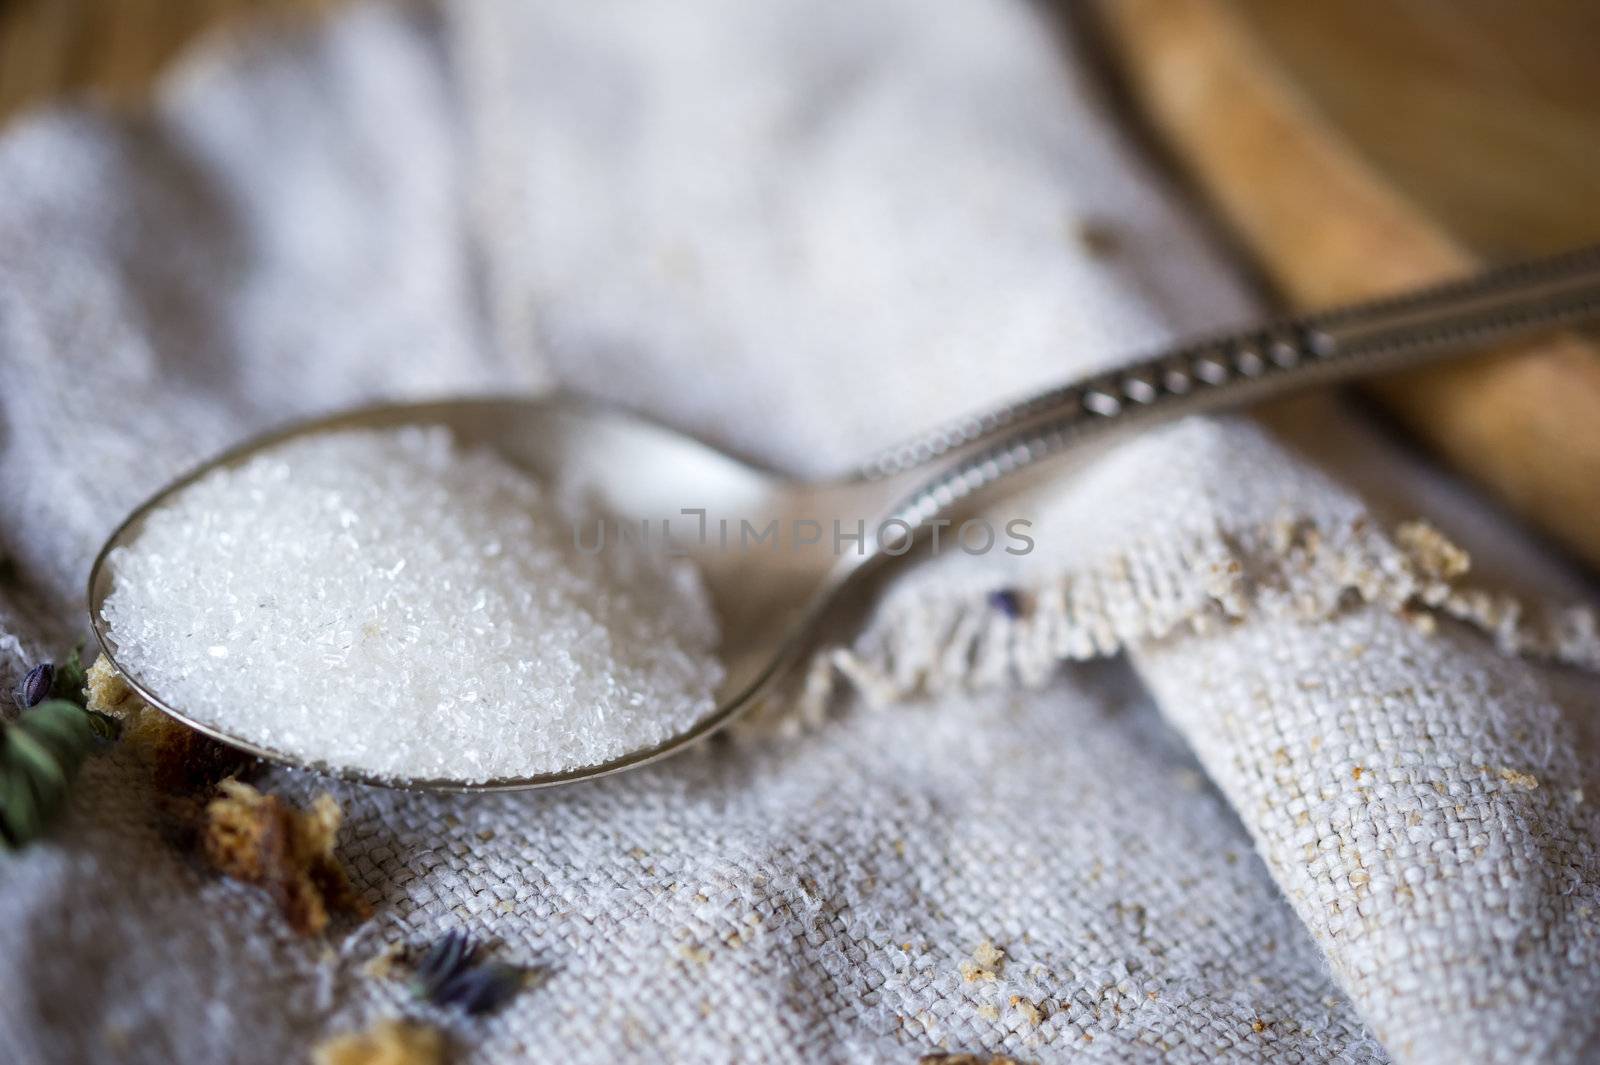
1294, 569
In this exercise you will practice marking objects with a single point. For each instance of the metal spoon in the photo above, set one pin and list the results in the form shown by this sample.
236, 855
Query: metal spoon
770, 602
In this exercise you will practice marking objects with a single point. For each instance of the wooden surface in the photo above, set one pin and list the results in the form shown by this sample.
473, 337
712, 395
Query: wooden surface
1353, 146
1328, 225
1486, 112
108, 49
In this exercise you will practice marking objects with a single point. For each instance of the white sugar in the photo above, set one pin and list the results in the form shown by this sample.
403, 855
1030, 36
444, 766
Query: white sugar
391, 603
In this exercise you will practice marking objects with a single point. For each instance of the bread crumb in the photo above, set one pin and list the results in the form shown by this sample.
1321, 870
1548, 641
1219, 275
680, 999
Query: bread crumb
1030, 1011
182, 761
972, 973
1431, 551
1518, 779
262, 840
1420, 620
985, 964
383, 965
108, 693
989, 1012
389, 1042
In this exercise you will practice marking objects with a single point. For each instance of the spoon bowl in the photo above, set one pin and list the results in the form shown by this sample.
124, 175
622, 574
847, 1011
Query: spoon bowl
646, 477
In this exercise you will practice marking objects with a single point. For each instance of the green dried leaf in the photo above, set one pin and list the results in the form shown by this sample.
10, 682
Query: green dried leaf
39, 753
20, 822
62, 723
70, 678
35, 759
106, 728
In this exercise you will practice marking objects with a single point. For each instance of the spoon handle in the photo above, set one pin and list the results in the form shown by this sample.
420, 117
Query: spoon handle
1244, 368
1241, 368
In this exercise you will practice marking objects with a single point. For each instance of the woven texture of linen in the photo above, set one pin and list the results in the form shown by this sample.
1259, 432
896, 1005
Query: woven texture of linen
1257, 776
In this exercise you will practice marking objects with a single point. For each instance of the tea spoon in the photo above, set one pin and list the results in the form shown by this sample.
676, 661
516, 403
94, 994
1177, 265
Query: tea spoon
770, 602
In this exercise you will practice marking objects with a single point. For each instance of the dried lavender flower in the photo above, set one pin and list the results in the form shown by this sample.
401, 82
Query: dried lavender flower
1007, 601
447, 976
446, 959
36, 685
481, 989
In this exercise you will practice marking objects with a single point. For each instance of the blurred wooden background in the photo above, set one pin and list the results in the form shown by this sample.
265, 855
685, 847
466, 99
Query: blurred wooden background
1485, 111
111, 49
1358, 148
1353, 146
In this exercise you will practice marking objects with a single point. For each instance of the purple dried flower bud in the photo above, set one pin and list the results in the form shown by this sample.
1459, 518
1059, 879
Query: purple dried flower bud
1006, 601
448, 975
481, 990
447, 958
36, 685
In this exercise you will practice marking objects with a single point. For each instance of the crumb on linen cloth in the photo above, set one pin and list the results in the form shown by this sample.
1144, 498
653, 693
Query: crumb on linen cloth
1518, 779
260, 839
387, 963
985, 963
389, 1042
108, 693
1432, 551
182, 761
1029, 1011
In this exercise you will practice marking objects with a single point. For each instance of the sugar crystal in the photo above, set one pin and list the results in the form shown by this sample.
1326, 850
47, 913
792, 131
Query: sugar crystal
392, 603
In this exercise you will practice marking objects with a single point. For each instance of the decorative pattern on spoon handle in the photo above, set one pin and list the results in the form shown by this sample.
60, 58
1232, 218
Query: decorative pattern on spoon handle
1249, 367
1244, 367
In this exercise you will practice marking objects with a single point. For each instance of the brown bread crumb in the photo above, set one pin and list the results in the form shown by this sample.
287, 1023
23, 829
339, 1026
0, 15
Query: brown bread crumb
985, 964
1518, 779
989, 956
1030, 1011
108, 693
260, 839
389, 1042
182, 761
386, 963
1431, 551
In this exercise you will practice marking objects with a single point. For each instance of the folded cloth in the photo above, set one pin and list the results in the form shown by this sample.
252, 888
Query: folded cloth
1319, 807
